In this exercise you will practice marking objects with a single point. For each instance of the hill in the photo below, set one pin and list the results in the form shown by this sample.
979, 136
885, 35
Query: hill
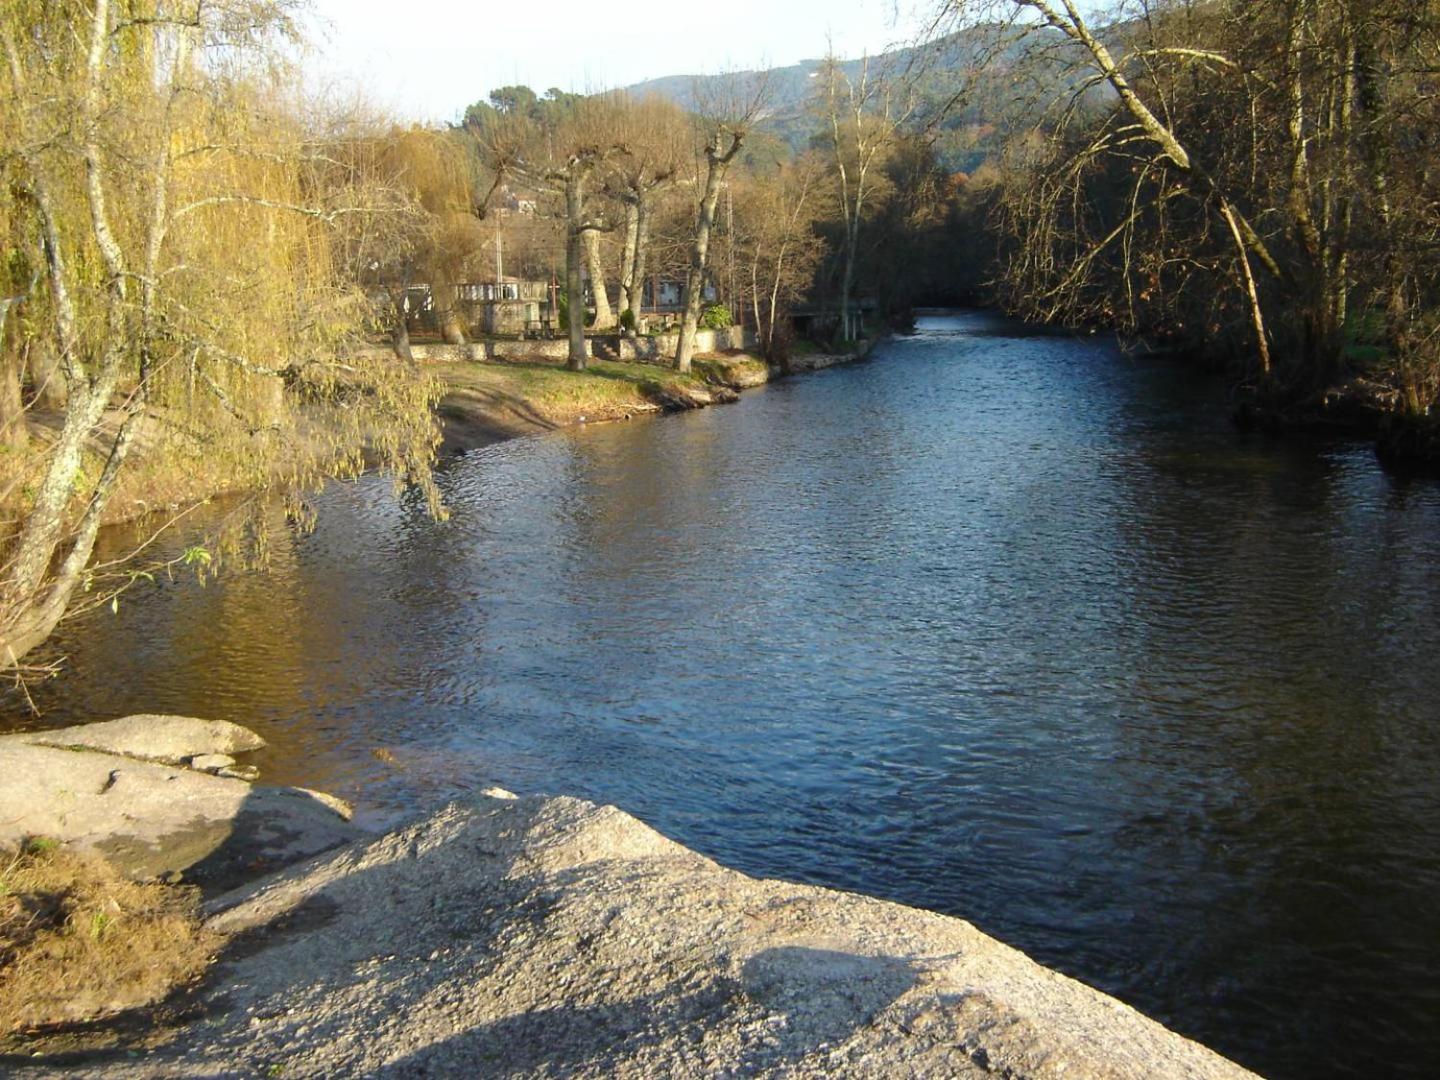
942, 69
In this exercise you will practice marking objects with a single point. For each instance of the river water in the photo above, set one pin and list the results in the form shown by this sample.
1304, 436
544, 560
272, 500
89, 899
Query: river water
1000, 624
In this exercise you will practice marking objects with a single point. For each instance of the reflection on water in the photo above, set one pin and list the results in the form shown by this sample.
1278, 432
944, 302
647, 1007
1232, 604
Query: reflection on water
1005, 626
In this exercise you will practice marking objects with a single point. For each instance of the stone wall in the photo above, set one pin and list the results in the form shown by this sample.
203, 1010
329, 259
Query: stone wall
658, 349
662, 347
549, 349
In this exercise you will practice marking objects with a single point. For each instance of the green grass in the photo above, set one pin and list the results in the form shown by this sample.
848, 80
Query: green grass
737, 370
1365, 347
604, 390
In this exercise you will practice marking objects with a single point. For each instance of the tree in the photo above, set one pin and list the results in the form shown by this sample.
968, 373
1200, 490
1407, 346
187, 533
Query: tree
560, 154
181, 223
776, 213
863, 117
439, 237
657, 137
724, 126
1240, 145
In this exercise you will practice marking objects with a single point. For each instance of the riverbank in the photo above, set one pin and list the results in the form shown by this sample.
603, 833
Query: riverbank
487, 401
526, 391
1360, 408
1364, 404
521, 936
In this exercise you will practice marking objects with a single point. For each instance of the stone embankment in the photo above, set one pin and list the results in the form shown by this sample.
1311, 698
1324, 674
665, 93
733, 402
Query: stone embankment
548, 936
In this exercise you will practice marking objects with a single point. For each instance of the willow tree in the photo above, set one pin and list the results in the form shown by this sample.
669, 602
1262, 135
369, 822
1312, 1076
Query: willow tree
182, 222
430, 234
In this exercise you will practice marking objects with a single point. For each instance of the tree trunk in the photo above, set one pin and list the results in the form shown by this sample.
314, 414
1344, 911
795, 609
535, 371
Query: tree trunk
33, 600
574, 287
14, 435
774, 302
700, 250
642, 254
400, 333
1257, 313
604, 316
755, 300
452, 327
627, 258
46, 379
847, 276
32, 613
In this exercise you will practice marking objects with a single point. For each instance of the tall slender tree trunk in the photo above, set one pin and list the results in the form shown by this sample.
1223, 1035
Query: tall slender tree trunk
717, 165
604, 316
775, 284
755, 299
574, 285
847, 274
642, 255
627, 257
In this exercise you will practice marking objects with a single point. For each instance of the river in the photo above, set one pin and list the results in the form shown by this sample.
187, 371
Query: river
1002, 624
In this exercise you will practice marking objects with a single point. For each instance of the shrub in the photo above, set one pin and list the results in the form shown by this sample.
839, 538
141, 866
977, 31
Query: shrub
627, 320
716, 317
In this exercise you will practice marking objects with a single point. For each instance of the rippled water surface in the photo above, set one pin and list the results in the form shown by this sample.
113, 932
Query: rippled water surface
1001, 625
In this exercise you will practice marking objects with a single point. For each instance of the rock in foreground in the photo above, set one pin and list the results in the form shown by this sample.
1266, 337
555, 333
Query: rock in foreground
115, 788
554, 937
151, 737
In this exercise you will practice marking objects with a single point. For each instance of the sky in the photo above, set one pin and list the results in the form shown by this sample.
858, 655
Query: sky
428, 59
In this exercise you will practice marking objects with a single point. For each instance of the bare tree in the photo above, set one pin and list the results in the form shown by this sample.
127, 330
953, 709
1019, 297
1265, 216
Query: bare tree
657, 137
562, 155
1148, 138
864, 116
776, 213
725, 123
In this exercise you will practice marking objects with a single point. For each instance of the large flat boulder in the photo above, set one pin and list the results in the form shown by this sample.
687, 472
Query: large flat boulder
151, 819
151, 737
553, 937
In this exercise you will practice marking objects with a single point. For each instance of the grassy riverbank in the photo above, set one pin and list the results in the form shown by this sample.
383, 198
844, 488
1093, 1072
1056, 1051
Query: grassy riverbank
485, 402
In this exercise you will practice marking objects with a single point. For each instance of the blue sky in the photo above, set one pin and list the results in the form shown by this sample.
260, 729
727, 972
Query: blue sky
436, 56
